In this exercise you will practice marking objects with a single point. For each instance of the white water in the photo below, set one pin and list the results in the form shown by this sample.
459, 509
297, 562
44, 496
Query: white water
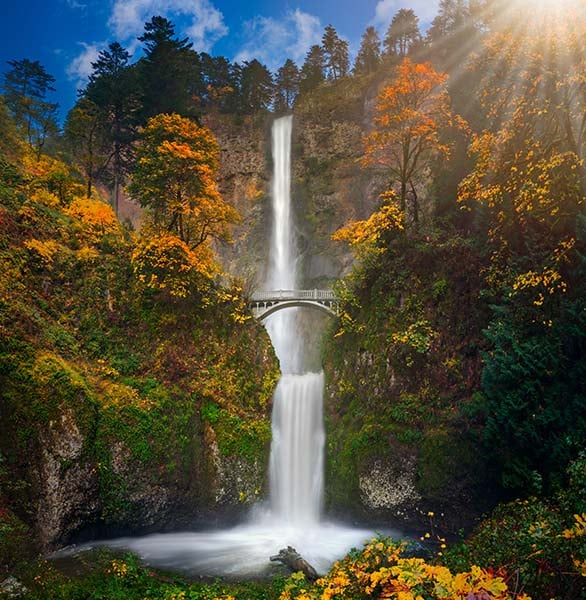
296, 465
293, 516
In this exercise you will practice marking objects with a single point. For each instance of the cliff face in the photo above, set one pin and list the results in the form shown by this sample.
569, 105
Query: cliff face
122, 410
244, 181
92, 453
329, 185
402, 371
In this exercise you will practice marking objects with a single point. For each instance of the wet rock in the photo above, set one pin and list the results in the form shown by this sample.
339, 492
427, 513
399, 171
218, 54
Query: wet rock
67, 483
12, 588
390, 485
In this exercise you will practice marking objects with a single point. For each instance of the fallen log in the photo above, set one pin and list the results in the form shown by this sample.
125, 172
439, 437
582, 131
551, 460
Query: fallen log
290, 557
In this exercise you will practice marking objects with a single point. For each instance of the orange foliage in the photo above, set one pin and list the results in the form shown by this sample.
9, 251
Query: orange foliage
96, 218
175, 179
367, 235
379, 571
166, 263
410, 114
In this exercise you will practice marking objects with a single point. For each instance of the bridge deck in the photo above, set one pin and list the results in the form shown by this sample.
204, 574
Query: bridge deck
276, 295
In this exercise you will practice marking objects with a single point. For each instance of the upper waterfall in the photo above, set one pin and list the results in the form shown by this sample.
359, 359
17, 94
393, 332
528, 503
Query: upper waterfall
282, 273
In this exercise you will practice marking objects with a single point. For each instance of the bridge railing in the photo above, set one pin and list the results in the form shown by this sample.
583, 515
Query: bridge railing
272, 295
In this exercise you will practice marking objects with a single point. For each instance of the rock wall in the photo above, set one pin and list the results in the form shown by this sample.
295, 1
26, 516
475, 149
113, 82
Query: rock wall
329, 185
401, 376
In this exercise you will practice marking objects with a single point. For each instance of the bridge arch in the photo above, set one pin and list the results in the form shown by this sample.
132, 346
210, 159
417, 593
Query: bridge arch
264, 304
263, 313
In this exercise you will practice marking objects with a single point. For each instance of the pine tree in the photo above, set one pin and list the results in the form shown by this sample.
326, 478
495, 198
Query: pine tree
313, 69
25, 87
170, 71
256, 87
113, 88
83, 133
287, 86
220, 81
452, 16
368, 57
336, 55
403, 33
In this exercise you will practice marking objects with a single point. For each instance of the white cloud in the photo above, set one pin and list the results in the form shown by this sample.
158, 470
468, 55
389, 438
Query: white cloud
272, 41
385, 10
202, 22
81, 66
75, 4
205, 22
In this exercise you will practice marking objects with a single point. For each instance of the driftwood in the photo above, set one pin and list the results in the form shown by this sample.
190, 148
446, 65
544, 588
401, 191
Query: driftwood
290, 557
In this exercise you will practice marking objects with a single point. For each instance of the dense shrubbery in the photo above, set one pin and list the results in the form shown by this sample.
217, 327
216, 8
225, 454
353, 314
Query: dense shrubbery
106, 337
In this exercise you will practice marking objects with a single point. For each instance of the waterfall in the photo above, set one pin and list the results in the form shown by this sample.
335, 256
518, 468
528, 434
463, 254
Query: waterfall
296, 463
293, 516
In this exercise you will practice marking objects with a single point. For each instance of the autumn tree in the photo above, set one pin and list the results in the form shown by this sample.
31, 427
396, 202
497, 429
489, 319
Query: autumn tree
403, 34
175, 180
313, 69
335, 49
410, 114
26, 87
369, 55
286, 86
370, 236
526, 191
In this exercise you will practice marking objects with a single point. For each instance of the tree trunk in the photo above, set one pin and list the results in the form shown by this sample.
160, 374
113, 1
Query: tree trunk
290, 557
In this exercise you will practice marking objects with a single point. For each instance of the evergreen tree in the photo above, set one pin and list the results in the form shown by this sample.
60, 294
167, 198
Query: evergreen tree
26, 86
336, 55
256, 87
368, 57
287, 86
452, 16
83, 134
170, 71
403, 33
220, 81
113, 88
313, 69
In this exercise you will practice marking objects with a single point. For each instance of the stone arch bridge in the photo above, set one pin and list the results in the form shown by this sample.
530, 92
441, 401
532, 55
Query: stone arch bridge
266, 303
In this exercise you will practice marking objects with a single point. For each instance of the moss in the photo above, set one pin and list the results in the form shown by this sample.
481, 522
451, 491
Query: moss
15, 540
401, 377
444, 456
246, 438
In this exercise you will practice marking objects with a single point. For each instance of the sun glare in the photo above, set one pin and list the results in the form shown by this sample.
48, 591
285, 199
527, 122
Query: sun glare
555, 8
550, 17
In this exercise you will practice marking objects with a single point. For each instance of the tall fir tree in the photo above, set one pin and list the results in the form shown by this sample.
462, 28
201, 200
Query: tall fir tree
336, 54
403, 34
170, 72
313, 69
368, 58
113, 88
287, 86
256, 87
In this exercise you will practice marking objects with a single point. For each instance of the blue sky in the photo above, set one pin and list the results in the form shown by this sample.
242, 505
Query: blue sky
66, 35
